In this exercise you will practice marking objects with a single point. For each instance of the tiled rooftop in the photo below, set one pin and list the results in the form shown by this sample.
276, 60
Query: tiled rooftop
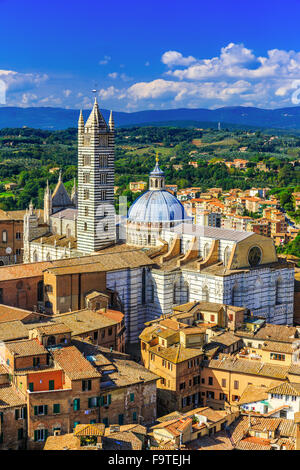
28, 347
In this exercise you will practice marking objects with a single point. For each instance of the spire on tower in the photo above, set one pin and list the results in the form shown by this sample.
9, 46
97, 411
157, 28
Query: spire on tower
111, 122
60, 176
81, 120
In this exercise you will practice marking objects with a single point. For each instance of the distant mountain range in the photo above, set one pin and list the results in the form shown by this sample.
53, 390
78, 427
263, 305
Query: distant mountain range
239, 116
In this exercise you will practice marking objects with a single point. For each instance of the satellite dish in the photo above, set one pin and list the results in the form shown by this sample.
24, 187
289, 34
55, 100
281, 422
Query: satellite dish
8, 250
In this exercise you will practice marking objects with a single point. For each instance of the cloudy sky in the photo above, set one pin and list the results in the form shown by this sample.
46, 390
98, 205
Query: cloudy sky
150, 54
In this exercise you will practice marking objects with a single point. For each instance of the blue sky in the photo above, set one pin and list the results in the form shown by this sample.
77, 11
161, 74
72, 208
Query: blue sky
150, 54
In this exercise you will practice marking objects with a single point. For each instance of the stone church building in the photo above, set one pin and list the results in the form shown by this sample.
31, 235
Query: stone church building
181, 261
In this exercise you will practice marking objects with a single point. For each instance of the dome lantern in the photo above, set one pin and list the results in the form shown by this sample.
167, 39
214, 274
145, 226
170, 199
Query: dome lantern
157, 177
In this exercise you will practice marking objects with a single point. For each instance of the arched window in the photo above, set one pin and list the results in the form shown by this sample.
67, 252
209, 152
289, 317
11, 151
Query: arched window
151, 293
144, 286
185, 293
48, 257
226, 255
35, 256
4, 236
205, 294
85, 226
176, 292
278, 291
54, 228
258, 290
234, 296
205, 250
40, 291
68, 231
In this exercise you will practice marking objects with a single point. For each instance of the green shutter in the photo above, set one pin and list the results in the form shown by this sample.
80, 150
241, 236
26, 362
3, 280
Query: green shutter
35, 435
51, 384
35, 410
31, 386
76, 404
101, 401
98, 401
16, 414
45, 434
134, 416
132, 397
56, 408
108, 399
46, 409
90, 403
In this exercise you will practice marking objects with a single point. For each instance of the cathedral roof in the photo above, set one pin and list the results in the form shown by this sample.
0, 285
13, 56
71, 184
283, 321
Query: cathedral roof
156, 206
60, 196
96, 118
69, 214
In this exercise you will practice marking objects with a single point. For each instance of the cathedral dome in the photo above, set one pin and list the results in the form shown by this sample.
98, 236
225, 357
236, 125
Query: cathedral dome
156, 206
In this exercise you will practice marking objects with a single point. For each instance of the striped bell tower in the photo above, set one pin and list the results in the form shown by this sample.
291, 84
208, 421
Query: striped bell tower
96, 214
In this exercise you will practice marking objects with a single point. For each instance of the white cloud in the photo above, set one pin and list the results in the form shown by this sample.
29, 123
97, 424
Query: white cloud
113, 75
171, 58
105, 60
67, 93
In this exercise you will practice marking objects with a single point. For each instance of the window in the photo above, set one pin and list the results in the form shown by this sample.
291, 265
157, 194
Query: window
210, 394
143, 286
48, 288
223, 382
86, 385
277, 357
76, 404
18, 235
4, 236
18, 251
75, 423
86, 178
56, 408
121, 419
86, 160
20, 434
134, 416
182, 386
103, 178
31, 387
102, 195
86, 211
36, 361
86, 194
196, 380
210, 381
105, 400
95, 335
94, 402
132, 397
236, 384
41, 410
103, 161
109, 331
40, 291
40, 434
223, 396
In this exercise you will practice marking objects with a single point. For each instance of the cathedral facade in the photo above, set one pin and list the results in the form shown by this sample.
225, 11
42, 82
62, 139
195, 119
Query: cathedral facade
186, 262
